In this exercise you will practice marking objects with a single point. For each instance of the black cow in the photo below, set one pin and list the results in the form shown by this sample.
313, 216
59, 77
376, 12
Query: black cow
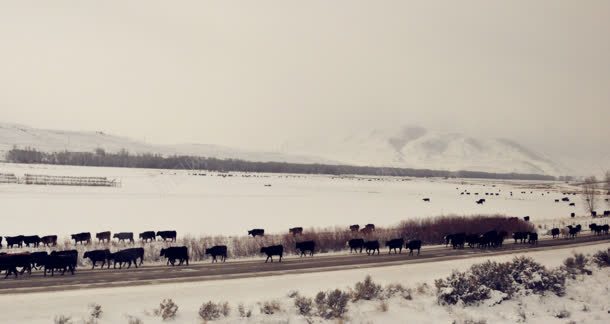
11, 241
573, 230
533, 238
520, 236
61, 261
10, 263
426, 199
38, 259
605, 228
165, 235
526, 218
84, 238
371, 246
458, 240
272, 250
127, 256
295, 230
414, 245
370, 227
174, 253
148, 236
572, 204
124, 236
32, 239
355, 244
565, 199
0, 242
555, 232
103, 236
395, 244
472, 240
218, 250
98, 256
256, 232
354, 228
306, 246
49, 240
606, 213
593, 213
480, 201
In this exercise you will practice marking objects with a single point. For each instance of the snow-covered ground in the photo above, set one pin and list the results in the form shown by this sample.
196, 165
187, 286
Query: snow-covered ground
233, 203
117, 303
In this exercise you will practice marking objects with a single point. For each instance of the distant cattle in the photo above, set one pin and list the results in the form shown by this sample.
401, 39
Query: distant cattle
556, 200
306, 246
180, 253
128, 256
414, 245
354, 228
597, 229
10, 263
593, 213
426, 199
295, 230
572, 215
168, 235
520, 236
573, 230
606, 212
147, 236
605, 228
217, 251
480, 201
103, 236
533, 238
61, 261
11, 241
526, 218
34, 240
395, 244
472, 240
272, 250
124, 236
256, 232
0, 241
355, 244
38, 259
565, 199
49, 240
371, 246
368, 229
572, 204
84, 238
457, 240
555, 232
98, 256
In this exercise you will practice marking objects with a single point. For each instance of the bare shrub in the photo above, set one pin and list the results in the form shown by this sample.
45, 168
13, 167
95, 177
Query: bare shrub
576, 265
602, 258
211, 311
133, 320
366, 290
392, 290
270, 307
62, 319
167, 310
95, 310
422, 288
304, 305
383, 306
243, 312
332, 304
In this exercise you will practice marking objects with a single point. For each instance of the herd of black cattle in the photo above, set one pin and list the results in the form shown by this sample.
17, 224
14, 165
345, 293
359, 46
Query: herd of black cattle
66, 261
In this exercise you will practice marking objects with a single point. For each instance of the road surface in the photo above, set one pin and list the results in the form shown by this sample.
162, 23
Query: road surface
155, 274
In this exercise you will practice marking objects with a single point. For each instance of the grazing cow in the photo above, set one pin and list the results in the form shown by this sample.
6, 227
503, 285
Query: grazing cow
533, 238
218, 250
458, 240
103, 236
11, 241
306, 246
572, 204
472, 240
98, 256
10, 263
414, 245
520, 236
124, 236
32, 239
168, 235
61, 261
526, 218
148, 236
354, 228
355, 244
84, 238
426, 199
371, 246
38, 259
480, 201
565, 199
174, 253
395, 244
295, 230
127, 256
272, 250
555, 232
49, 240
256, 232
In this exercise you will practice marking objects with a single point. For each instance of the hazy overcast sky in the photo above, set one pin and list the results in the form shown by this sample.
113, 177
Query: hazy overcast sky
258, 73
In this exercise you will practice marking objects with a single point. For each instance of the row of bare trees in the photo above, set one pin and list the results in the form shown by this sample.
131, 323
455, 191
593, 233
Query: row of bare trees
591, 190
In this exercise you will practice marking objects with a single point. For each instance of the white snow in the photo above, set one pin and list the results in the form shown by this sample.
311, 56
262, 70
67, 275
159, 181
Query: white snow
139, 301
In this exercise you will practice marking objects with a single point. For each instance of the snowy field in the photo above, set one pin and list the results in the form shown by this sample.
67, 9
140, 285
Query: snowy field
118, 303
231, 204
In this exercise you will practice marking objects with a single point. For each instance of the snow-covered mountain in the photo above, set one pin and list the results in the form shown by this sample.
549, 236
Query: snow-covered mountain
57, 140
417, 147
407, 147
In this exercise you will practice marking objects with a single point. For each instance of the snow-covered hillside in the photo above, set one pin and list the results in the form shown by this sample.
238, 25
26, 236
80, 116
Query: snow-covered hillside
417, 147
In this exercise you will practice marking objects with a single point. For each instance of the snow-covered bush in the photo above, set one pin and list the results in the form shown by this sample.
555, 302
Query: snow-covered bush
461, 287
270, 307
95, 310
576, 265
211, 311
62, 319
243, 312
366, 290
167, 309
133, 320
392, 290
304, 305
332, 304
602, 258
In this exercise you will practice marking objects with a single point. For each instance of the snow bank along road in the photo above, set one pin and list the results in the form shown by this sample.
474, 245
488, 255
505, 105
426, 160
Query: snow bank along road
146, 275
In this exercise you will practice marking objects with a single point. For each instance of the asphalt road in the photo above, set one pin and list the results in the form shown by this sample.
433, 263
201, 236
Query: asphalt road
155, 274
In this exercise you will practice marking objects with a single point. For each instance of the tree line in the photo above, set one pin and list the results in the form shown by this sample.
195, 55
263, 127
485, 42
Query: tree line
124, 159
